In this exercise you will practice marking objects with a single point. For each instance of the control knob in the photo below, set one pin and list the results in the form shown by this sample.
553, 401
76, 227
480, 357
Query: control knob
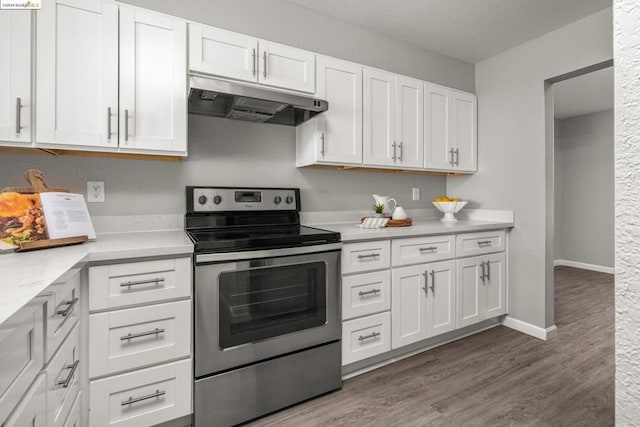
217, 200
202, 199
277, 200
289, 200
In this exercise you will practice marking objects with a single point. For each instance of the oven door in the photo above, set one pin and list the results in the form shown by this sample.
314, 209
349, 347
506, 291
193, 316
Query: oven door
278, 301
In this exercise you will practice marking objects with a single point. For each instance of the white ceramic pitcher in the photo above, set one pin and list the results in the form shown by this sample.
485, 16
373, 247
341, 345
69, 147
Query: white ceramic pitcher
386, 202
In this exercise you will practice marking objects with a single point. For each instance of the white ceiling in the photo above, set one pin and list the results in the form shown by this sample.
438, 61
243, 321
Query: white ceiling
586, 94
471, 30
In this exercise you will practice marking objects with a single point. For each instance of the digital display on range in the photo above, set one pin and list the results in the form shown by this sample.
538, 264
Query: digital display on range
248, 196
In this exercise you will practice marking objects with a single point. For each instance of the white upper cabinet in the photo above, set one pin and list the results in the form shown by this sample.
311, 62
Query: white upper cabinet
153, 85
409, 122
450, 137
15, 76
379, 96
240, 57
334, 136
77, 73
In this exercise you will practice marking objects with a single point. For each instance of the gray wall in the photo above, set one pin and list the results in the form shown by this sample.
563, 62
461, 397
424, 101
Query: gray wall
584, 213
221, 152
288, 23
515, 157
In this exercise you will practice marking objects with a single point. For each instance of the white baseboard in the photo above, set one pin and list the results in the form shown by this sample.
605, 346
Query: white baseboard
584, 266
529, 329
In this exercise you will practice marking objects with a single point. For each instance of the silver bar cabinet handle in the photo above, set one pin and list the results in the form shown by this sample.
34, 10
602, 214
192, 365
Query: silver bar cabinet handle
400, 156
132, 400
126, 125
253, 62
264, 60
428, 248
433, 282
142, 282
366, 337
482, 276
372, 291
72, 370
394, 151
457, 156
368, 256
109, 123
18, 115
488, 271
451, 155
484, 243
322, 150
70, 305
130, 336
426, 283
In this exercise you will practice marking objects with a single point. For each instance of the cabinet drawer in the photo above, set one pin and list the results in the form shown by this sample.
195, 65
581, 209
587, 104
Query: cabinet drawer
136, 337
120, 285
21, 354
364, 256
31, 410
145, 397
366, 337
367, 293
62, 311
484, 242
63, 379
422, 249
75, 414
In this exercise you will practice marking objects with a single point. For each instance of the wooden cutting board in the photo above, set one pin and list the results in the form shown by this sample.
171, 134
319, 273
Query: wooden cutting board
399, 222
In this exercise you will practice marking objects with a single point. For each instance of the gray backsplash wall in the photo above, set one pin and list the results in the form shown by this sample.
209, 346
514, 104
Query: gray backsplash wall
221, 152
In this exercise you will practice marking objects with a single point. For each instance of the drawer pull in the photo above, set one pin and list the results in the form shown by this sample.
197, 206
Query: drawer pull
372, 291
371, 335
131, 400
70, 305
368, 256
157, 281
484, 243
72, 370
129, 336
429, 248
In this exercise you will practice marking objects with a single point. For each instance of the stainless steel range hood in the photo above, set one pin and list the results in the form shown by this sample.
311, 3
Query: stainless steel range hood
235, 101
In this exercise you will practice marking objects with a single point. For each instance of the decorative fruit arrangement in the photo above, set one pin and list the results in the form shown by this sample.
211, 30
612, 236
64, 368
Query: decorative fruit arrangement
445, 199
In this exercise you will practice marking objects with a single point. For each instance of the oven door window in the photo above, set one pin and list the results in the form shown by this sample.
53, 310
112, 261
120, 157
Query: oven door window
262, 303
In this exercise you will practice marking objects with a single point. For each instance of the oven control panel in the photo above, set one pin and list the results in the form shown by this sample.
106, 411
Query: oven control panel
217, 199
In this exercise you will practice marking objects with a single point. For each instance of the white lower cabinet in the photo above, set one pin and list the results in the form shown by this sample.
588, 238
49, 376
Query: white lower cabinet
32, 409
366, 337
366, 293
63, 380
481, 288
75, 414
143, 397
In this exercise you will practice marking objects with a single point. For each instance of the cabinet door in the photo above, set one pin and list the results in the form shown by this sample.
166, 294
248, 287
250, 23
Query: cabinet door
379, 118
340, 84
153, 81
408, 306
438, 148
32, 408
222, 53
286, 67
441, 297
15, 76
472, 296
409, 122
463, 130
496, 284
77, 73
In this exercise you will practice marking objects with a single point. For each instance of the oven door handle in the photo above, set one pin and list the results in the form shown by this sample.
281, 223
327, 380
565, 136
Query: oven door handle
267, 253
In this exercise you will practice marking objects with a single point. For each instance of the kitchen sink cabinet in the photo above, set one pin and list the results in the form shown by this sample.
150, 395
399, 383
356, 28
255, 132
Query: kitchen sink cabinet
237, 56
110, 77
15, 78
481, 288
334, 137
450, 134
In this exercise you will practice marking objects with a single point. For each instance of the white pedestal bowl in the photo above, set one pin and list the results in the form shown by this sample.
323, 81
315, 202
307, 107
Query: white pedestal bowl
449, 209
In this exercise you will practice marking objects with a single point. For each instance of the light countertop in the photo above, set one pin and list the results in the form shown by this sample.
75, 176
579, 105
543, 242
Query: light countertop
23, 276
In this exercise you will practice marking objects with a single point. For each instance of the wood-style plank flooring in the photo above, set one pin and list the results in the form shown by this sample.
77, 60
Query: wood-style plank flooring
499, 377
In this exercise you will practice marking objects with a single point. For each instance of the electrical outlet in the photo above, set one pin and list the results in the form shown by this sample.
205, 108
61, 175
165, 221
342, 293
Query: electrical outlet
95, 191
416, 194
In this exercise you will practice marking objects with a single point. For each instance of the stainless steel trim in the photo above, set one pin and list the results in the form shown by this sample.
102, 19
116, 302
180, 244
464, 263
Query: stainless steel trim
72, 370
484, 243
109, 123
428, 248
253, 62
131, 400
18, 115
368, 256
264, 61
267, 253
142, 282
400, 156
372, 291
457, 156
130, 336
322, 150
66, 311
126, 125
482, 276
433, 282
371, 335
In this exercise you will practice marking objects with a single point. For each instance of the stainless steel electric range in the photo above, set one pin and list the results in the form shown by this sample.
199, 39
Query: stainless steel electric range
266, 303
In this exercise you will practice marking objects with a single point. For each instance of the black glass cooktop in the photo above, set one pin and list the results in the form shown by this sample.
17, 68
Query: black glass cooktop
256, 238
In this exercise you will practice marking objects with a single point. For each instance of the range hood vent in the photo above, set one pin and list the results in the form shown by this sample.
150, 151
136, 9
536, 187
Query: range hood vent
221, 98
